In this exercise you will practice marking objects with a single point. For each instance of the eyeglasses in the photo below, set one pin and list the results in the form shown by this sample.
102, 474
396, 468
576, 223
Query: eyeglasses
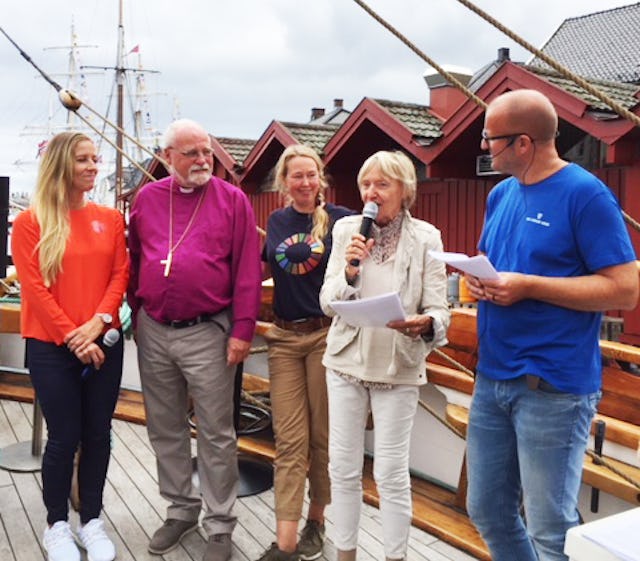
511, 136
193, 154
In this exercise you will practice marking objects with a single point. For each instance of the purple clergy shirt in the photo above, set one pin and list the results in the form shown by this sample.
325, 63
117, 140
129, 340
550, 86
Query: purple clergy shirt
215, 266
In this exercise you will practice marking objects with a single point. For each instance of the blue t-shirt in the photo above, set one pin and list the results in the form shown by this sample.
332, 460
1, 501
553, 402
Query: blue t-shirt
568, 225
297, 261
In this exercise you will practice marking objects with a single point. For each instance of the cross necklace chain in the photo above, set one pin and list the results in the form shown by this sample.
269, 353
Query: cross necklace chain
172, 248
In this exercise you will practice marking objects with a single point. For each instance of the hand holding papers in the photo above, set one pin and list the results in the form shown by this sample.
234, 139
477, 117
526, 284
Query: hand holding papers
478, 265
376, 311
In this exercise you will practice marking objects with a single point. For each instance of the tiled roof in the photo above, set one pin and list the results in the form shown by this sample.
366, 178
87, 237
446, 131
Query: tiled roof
336, 116
621, 93
315, 136
415, 117
239, 148
131, 175
604, 45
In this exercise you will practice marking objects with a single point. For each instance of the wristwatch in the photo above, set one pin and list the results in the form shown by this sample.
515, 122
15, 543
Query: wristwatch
107, 319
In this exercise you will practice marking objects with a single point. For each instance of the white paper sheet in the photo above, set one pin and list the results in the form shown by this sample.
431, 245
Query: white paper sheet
376, 311
617, 534
477, 266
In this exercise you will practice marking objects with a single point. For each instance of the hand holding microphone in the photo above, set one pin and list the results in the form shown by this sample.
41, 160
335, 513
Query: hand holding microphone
369, 214
109, 339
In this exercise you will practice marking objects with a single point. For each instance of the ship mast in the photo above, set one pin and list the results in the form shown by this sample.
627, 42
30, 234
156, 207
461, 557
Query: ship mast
73, 103
120, 77
120, 83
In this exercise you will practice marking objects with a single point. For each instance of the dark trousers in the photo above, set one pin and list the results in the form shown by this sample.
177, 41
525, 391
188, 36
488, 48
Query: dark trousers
78, 411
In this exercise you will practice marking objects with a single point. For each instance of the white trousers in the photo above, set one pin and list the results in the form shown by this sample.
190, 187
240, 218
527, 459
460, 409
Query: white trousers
393, 413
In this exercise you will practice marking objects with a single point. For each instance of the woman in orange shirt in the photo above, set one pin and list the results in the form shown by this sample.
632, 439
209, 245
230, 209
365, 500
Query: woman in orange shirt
72, 263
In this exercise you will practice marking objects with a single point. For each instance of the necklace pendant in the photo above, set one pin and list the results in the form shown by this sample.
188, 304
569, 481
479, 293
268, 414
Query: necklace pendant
167, 263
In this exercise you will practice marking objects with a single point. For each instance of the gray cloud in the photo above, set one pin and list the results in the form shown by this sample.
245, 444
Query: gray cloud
235, 66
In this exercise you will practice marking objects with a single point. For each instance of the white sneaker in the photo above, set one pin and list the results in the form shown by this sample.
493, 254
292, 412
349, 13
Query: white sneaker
59, 543
94, 539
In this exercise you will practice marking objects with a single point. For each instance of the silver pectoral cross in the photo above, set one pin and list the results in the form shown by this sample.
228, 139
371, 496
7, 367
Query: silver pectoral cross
167, 263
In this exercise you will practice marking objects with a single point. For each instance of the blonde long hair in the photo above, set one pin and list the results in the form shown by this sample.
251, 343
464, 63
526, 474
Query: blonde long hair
319, 217
50, 203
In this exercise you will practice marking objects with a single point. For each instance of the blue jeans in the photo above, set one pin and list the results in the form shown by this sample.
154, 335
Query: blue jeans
78, 411
526, 445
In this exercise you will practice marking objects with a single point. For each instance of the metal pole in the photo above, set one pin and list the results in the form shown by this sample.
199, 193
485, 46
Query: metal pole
4, 225
120, 109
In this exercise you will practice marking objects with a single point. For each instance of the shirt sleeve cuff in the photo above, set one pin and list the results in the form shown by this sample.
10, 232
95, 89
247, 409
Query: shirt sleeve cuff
243, 329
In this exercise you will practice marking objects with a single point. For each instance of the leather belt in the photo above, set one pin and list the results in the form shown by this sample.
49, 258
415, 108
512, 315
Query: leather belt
532, 381
537, 383
303, 325
202, 318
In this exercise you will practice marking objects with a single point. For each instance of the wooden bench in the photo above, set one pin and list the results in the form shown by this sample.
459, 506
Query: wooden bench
594, 475
619, 408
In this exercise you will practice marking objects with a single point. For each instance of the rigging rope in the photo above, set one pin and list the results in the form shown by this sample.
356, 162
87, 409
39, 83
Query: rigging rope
440, 419
113, 145
450, 77
72, 102
622, 111
617, 108
599, 460
453, 361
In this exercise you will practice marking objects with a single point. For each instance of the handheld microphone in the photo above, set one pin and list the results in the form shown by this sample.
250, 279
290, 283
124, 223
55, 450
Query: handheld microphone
109, 339
369, 213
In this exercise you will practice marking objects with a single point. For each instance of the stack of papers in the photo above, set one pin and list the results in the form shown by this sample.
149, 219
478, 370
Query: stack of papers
376, 311
477, 266
613, 538
619, 535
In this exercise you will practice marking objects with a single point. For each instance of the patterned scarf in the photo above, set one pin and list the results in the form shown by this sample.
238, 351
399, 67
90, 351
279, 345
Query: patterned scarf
386, 238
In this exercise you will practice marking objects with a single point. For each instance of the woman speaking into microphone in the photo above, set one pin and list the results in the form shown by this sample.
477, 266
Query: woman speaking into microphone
380, 368
71, 259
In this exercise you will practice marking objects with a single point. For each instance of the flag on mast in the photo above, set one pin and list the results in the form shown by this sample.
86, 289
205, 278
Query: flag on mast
42, 148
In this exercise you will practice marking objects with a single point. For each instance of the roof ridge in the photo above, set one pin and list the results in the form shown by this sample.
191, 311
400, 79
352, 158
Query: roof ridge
592, 14
311, 126
551, 72
405, 103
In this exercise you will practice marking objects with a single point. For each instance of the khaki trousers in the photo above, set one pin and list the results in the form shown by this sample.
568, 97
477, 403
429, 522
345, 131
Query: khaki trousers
300, 422
175, 364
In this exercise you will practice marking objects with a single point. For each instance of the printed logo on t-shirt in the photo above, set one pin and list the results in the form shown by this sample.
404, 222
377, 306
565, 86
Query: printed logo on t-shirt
538, 220
299, 254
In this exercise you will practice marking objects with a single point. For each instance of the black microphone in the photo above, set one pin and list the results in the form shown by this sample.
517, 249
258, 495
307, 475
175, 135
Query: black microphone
369, 213
109, 339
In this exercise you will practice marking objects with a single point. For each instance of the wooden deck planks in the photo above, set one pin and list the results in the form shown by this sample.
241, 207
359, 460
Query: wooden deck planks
24, 542
5, 548
134, 509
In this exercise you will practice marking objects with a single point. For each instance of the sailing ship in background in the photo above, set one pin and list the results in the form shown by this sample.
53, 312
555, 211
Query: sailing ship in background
127, 99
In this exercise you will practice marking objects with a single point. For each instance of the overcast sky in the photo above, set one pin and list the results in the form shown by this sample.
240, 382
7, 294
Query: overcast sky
236, 65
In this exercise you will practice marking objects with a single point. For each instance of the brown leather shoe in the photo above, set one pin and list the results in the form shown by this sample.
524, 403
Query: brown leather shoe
218, 548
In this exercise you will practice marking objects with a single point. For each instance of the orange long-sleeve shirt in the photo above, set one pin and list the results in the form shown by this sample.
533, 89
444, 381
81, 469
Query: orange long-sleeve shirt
94, 276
